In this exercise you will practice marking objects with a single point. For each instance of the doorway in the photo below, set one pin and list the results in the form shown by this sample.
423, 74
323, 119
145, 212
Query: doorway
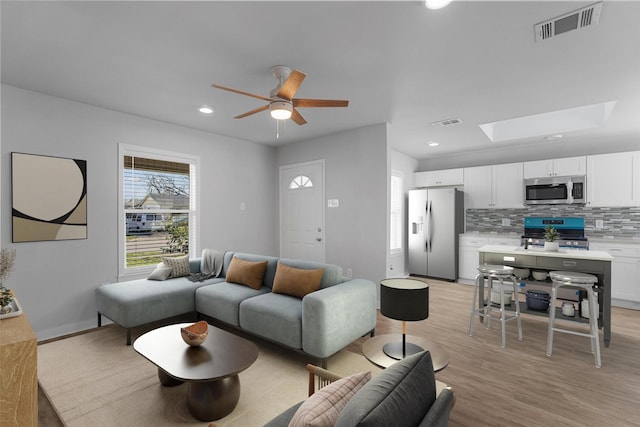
302, 211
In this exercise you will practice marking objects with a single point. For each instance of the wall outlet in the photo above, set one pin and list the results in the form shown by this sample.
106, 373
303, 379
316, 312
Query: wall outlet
599, 224
349, 273
243, 206
506, 222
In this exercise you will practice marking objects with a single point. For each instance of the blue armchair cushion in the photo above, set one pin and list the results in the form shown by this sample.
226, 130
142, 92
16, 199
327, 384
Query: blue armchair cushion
399, 396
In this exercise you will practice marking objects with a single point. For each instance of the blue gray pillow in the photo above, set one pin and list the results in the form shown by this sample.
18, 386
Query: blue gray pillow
399, 396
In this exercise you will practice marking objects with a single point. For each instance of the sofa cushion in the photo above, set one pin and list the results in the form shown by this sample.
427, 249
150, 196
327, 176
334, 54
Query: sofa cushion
384, 401
325, 405
222, 300
179, 265
160, 273
332, 274
248, 273
274, 316
296, 282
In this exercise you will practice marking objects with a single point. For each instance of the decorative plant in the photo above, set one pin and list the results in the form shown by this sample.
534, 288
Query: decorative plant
550, 234
7, 263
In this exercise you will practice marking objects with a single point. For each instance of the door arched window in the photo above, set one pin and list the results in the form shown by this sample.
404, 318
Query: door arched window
299, 182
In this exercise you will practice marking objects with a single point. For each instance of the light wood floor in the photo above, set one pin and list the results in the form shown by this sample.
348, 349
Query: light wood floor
519, 385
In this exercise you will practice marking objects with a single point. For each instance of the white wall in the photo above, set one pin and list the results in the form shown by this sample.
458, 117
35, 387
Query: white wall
55, 281
396, 264
357, 174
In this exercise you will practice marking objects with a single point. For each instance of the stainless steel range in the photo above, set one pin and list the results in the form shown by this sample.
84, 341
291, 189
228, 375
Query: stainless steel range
570, 231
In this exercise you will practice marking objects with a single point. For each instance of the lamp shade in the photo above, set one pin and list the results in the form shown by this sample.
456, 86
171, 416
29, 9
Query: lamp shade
404, 299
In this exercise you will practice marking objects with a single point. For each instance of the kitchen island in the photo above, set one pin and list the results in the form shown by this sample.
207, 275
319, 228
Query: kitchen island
597, 263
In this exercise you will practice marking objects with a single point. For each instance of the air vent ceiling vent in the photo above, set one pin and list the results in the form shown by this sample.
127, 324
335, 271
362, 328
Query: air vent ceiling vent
581, 18
446, 122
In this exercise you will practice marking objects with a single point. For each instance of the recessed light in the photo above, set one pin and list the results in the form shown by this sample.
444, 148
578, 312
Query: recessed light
436, 4
554, 137
206, 109
433, 143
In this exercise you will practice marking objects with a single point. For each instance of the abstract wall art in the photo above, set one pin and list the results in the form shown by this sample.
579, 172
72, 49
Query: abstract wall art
49, 196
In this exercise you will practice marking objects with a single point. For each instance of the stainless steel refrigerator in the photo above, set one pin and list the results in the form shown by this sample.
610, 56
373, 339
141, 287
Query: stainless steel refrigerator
436, 218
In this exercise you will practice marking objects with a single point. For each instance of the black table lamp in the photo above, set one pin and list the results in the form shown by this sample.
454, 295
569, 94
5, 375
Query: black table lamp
406, 300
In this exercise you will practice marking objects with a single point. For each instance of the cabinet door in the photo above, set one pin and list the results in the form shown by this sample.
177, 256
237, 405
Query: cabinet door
570, 166
537, 169
507, 186
477, 187
613, 179
625, 274
468, 250
450, 177
425, 179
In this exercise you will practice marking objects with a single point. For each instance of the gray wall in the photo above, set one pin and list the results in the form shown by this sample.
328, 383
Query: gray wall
357, 174
396, 265
55, 281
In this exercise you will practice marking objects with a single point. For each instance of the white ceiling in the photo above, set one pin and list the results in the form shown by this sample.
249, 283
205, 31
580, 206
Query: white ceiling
396, 62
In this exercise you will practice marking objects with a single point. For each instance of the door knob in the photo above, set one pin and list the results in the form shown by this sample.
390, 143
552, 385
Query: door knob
318, 239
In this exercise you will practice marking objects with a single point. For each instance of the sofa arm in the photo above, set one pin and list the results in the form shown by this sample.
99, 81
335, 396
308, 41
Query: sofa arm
336, 316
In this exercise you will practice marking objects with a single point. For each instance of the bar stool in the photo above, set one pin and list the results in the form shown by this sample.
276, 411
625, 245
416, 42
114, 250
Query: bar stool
577, 280
500, 273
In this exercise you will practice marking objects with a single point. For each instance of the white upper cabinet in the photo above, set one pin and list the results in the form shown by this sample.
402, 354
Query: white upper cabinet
613, 179
438, 178
496, 186
556, 167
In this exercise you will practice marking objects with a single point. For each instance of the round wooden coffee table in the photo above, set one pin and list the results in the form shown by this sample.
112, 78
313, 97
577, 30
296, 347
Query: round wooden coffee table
210, 370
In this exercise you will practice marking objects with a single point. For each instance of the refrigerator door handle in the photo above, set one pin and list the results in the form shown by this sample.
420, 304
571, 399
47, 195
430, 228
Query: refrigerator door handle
428, 239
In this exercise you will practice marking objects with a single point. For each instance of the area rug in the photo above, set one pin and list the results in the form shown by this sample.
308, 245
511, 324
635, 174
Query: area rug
94, 379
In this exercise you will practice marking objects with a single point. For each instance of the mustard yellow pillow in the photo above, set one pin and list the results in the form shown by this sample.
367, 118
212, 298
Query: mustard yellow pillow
295, 281
249, 273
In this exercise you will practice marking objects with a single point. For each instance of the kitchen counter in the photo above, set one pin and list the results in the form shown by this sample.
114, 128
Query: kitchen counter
561, 253
597, 263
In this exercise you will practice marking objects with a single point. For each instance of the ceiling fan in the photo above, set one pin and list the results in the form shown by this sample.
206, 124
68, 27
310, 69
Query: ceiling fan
281, 103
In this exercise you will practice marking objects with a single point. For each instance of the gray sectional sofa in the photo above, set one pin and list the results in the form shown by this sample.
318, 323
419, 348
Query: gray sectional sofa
319, 324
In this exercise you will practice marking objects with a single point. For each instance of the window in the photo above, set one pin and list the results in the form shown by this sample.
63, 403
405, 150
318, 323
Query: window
158, 207
299, 182
395, 223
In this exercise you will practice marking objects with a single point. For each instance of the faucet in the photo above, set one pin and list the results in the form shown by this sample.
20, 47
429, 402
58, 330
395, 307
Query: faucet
526, 243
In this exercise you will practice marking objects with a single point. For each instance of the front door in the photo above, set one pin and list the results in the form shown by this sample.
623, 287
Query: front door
302, 211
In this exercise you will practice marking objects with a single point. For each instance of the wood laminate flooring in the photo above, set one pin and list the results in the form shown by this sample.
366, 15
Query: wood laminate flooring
519, 385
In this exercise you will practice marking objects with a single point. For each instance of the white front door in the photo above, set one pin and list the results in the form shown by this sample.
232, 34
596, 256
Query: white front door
302, 211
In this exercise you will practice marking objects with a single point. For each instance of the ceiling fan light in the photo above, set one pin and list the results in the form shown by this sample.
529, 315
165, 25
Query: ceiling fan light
436, 4
280, 110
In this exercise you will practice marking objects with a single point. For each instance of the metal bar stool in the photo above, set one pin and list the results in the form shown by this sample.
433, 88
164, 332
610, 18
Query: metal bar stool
577, 280
500, 273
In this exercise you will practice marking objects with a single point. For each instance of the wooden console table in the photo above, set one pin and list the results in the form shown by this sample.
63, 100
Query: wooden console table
18, 373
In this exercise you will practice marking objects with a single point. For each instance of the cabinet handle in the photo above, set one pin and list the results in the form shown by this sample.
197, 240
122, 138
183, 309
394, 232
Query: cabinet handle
567, 263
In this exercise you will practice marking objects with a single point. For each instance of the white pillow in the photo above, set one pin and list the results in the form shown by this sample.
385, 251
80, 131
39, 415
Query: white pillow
160, 273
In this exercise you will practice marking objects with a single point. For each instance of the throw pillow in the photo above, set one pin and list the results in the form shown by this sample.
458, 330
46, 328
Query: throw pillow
383, 401
324, 406
249, 273
160, 273
296, 281
179, 265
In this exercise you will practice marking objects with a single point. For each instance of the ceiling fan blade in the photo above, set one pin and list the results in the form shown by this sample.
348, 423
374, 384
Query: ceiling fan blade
241, 92
296, 117
291, 85
311, 103
255, 110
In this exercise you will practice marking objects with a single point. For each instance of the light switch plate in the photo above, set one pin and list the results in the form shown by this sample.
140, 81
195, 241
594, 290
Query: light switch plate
333, 203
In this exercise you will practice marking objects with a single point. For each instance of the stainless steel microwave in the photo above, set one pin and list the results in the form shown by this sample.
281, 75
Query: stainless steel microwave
556, 190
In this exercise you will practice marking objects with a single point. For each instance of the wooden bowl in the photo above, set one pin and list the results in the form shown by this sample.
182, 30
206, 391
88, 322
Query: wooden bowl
195, 334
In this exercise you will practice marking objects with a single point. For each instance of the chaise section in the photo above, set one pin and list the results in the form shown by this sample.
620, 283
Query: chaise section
138, 302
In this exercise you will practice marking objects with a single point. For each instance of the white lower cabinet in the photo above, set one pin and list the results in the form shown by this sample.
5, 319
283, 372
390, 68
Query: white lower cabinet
625, 272
469, 255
